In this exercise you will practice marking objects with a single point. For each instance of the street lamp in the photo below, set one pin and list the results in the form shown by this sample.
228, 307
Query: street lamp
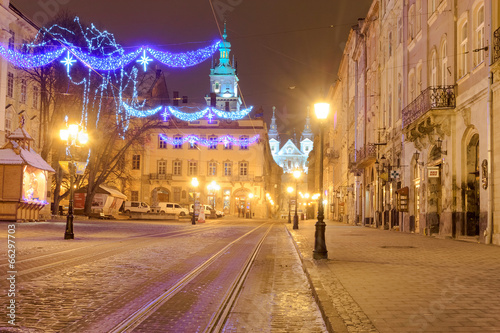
320, 252
213, 187
74, 137
194, 184
296, 175
250, 197
289, 190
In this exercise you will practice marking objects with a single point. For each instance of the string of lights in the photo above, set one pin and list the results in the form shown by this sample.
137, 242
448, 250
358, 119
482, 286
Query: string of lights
225, 140
209, 113
111, 62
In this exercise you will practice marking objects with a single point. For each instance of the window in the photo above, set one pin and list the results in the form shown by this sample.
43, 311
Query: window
243, 142
177, 168
479, 36
419, 79
411, 88
35, 97
444, 64
228, 168
24, 90
177, 194
390, 44
10, 84
243, 168
212, 142
193, 144
228, 145
463, 50
434, 69
12, 40
400, 95
136, 162
411, 22
178, 142
212, 168
134, 195
162, 141
418, 17
431, 6
8, 121
192, 168
162, 167
389, 103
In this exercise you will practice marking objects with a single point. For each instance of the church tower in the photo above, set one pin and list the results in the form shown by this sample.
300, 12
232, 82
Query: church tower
306, 141
274, 138
223, 80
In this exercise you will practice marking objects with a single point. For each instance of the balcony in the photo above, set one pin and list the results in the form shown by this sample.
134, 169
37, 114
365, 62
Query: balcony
432, 98
366, 155
496, 45
160, 176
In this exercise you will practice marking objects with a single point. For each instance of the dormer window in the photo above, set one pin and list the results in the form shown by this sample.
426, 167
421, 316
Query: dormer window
217, 87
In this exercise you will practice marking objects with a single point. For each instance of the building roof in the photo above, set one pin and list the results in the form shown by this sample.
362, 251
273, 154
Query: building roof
15, 155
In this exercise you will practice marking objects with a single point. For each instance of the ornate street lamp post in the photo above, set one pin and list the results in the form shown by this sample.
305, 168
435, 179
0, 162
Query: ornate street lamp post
194, 184
289, 190
320, 252
296, 175
74, 137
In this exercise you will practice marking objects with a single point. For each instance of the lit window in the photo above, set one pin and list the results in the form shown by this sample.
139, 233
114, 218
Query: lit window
162, 141
243, 142
479, 36
463, 50
24, 90
212, 142
178, 142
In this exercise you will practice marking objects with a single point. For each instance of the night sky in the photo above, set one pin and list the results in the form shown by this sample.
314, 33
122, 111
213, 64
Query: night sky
288, 51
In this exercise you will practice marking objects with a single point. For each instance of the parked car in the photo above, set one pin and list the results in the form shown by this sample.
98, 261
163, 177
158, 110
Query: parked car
135, 207
172, 208
219, 213
207, 208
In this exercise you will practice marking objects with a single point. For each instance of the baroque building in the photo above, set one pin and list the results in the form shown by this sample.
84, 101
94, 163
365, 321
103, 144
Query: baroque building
229, 156
19, 96
412, 136
292, 155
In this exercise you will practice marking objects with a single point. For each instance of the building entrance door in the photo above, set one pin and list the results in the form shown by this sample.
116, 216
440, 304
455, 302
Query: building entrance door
472, 189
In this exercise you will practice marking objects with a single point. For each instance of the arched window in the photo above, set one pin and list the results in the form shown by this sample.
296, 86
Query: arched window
479, 35
463, 48
444, 64
411, 22
434, 69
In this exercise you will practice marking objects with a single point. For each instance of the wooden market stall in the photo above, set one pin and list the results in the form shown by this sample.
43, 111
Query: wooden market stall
23, 179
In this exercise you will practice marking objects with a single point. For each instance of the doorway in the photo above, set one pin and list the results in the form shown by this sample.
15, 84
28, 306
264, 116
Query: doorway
472, 200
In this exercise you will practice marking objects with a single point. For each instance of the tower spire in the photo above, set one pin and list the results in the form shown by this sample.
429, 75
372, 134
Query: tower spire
225, 31
307, 133
273, 128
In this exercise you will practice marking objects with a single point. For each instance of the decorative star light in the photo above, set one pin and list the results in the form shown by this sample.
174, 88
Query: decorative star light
68, 61
145, 60
165, 115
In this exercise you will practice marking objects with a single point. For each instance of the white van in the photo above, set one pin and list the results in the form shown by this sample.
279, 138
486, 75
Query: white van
172, 208
136, 207
207, 209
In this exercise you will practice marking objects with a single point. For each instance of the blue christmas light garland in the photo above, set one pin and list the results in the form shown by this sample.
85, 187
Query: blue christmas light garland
209, 112
108, 63
225, 140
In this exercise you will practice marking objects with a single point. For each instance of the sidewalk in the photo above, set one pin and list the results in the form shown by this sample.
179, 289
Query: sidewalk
387, 281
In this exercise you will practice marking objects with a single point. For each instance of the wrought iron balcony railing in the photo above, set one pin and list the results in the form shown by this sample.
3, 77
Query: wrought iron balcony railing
438, 97
496, 45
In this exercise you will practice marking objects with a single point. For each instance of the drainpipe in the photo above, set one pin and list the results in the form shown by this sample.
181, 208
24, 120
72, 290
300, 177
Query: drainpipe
489, 230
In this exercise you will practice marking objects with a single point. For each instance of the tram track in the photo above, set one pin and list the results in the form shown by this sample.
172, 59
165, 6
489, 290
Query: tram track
42, 264
142, 319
